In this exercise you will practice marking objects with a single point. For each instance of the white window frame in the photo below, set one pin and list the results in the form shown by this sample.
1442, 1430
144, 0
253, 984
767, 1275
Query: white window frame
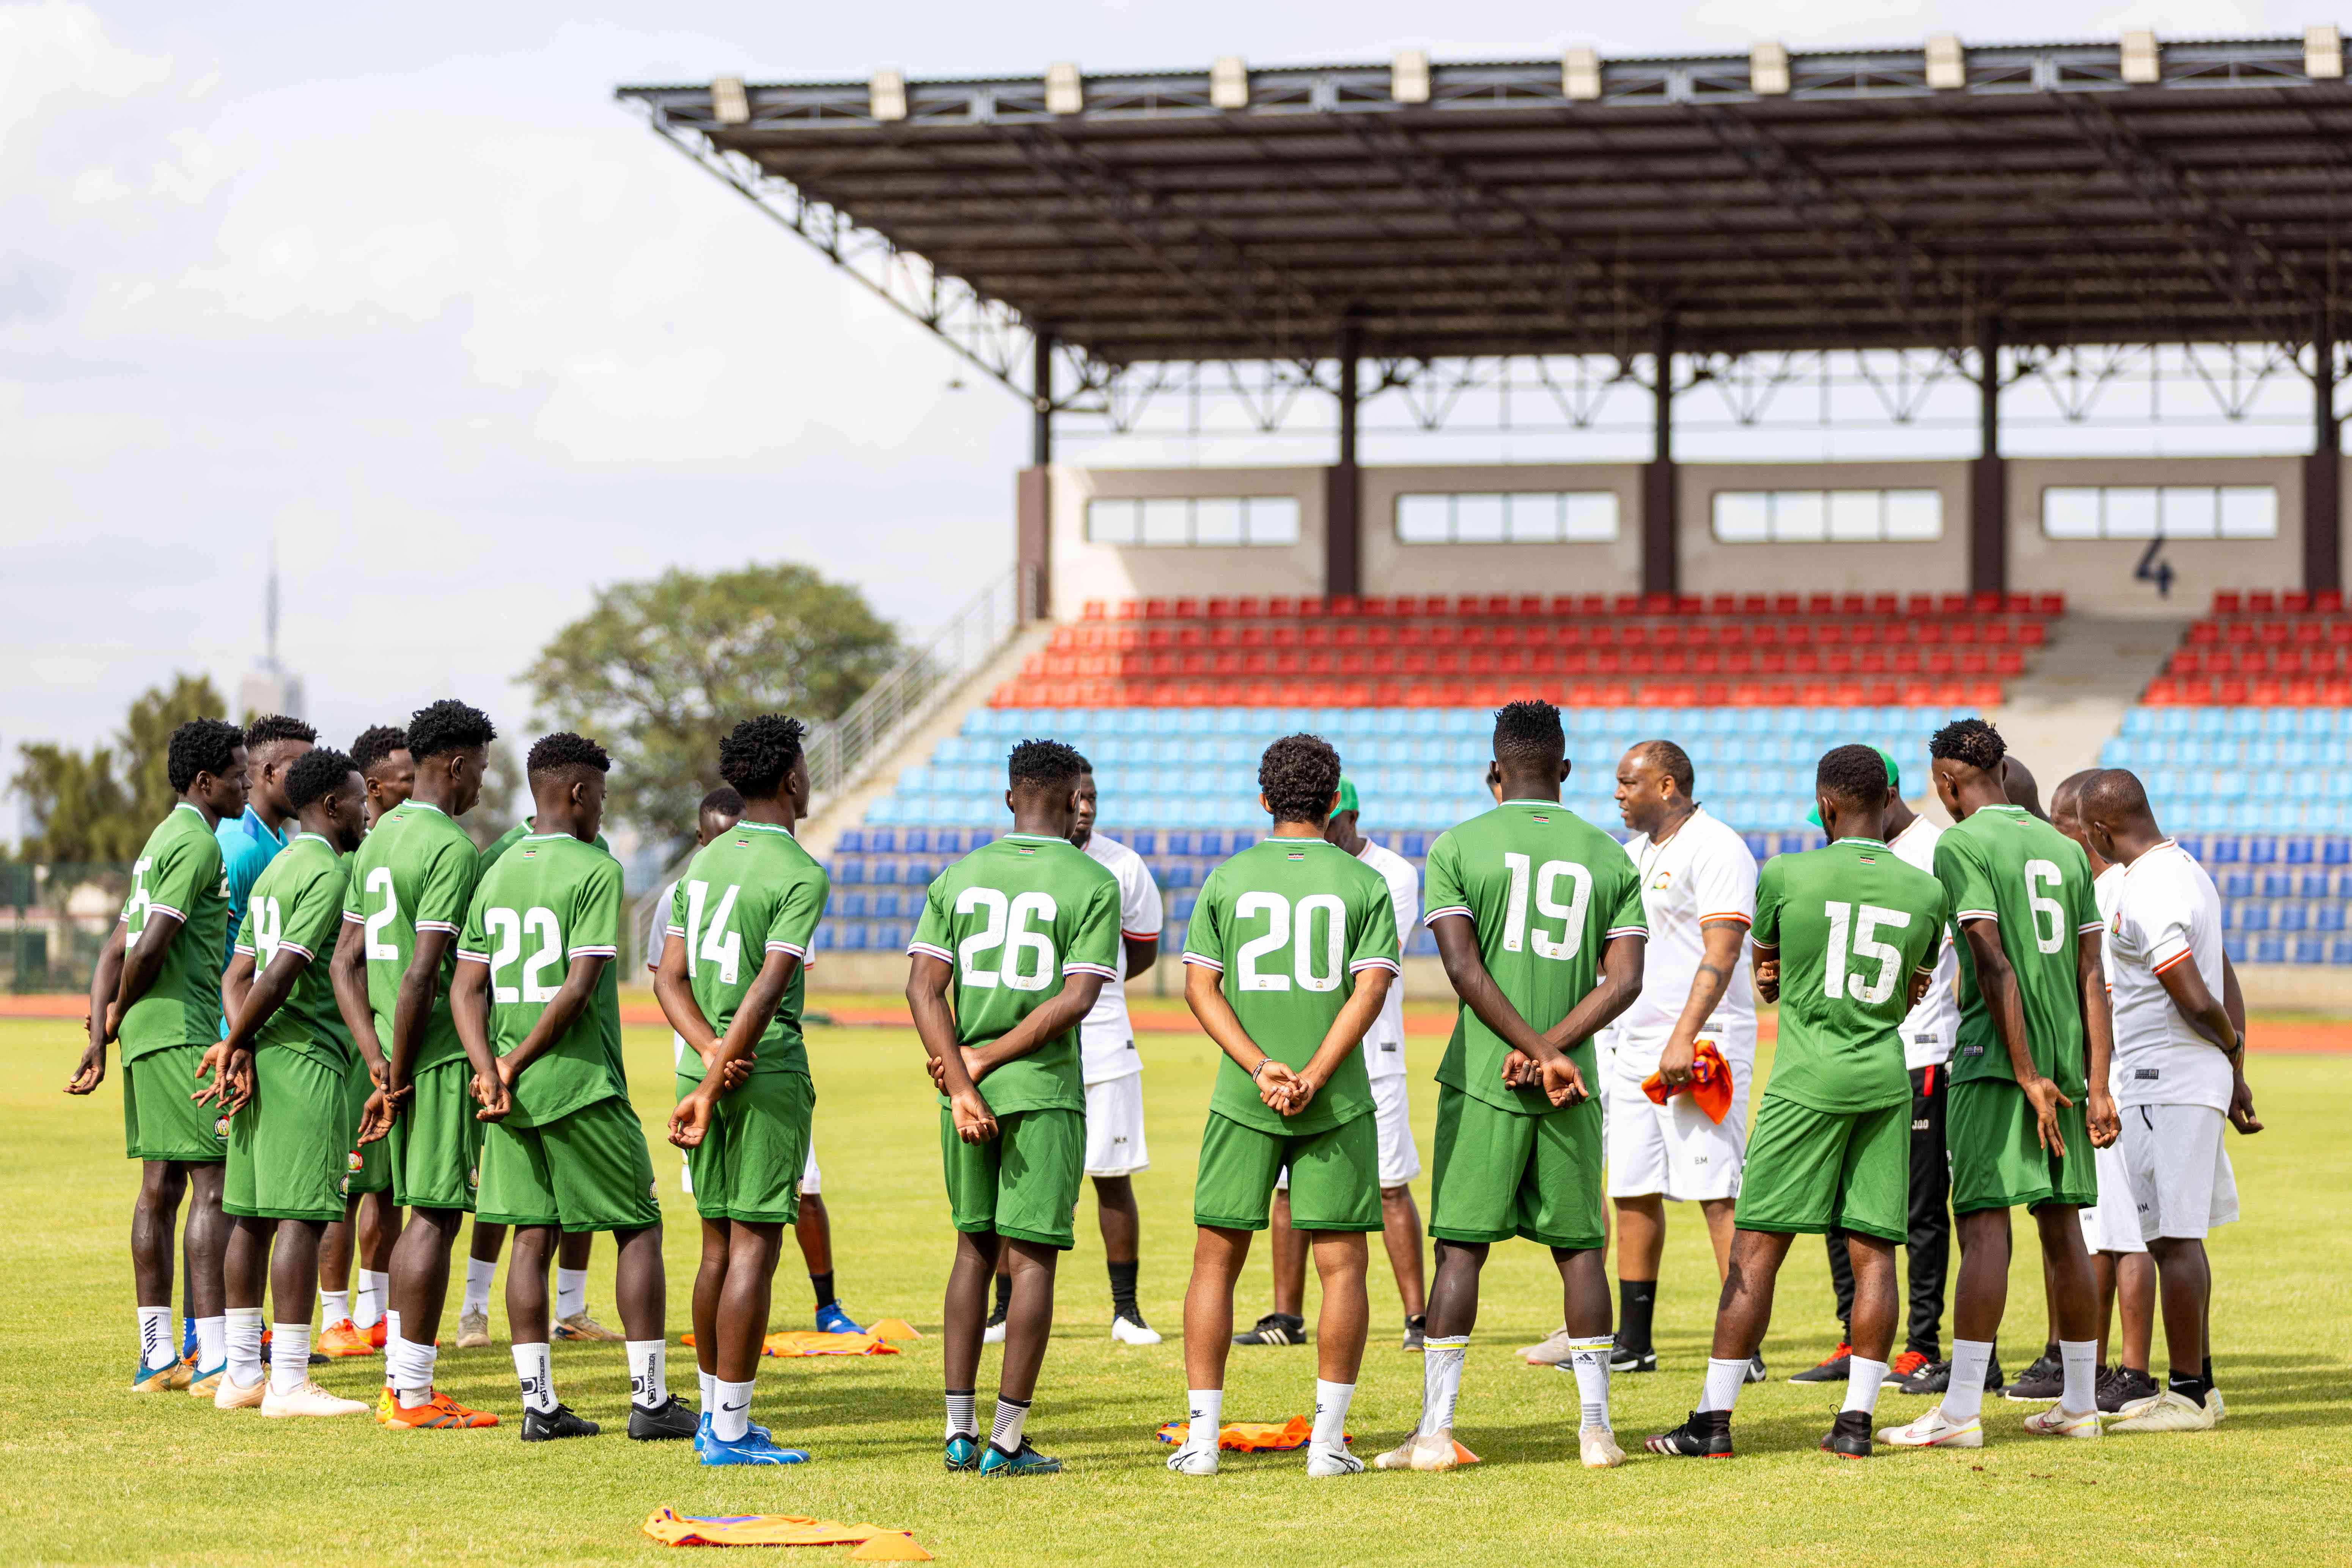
1228, 522
1506, 517
2139, 512
1887, 514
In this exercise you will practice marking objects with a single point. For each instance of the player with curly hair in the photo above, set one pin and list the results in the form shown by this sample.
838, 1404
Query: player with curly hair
253, 837
382, 755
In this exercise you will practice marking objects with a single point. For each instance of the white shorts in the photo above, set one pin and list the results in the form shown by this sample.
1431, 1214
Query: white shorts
1393, 1116
1673, 1150
1115, 1145
2111, 1225
2180, 1179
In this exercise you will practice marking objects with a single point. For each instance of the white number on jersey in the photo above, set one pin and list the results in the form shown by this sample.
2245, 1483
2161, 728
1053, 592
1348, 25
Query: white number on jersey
266, 924
1855, 934
2049, 914
719, 944
1282, 916
1519, 935
135, 911
1006, 917
380, 881
507, 929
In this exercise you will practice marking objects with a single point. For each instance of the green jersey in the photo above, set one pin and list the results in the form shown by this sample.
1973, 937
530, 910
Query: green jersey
1853, 924
749, 892
297, 906
1545, 892
552, 899
1014, 918
2001, 864
516, 835
179, 872
1288, 924
415, 871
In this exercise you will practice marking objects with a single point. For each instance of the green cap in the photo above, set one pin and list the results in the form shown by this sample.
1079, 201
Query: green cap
1894, 781
1346, 796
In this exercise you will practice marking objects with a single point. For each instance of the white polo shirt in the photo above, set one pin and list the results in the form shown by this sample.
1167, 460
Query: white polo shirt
2105, 888
2167, 912
1383, 1045
1703, 872
1930, 1028
1105, 1038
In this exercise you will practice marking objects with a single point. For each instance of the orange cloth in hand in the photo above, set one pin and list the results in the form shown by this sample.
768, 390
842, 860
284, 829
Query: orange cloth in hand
1709, 1085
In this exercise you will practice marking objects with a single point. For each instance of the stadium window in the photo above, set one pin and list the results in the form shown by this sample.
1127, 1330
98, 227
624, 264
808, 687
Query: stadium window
2159, 511
1827, 517
1514, 517
1194, 520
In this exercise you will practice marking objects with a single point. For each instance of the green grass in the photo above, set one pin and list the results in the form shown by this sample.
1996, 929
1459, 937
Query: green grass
98, 1476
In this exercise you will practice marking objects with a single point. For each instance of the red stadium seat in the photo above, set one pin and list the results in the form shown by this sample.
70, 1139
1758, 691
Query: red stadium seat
1220, 608
1093, 610
1563, 604
1853, 604
2328, 601
1627, 605
1187, 609
1529, 605
1155, 609
1952, 605
1375, 604
2295, 602
2262, 602
1885, 605
1344, 604
2050, 604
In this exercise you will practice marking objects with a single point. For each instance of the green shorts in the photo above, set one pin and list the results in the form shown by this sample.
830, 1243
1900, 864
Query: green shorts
1811, 1171
587, 1171
435, 1149
160, 1122
370, 1163
748, 1165
1997, 1161
1022, 1183
1500, 1173
289, 1149
1335, 1176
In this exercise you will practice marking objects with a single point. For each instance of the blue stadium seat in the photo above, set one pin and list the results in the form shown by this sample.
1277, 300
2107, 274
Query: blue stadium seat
2236, 946
853, 936
848, 871
2311, 950
2237, 884
2339, 951
2223, 850
2253, 915
2328, 915
2269, 950
849, 906
2335, 852
2278, 884
882, 871
828, 937
2289, 918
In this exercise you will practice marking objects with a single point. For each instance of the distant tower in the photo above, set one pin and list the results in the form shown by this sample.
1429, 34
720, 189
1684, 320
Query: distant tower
268, 687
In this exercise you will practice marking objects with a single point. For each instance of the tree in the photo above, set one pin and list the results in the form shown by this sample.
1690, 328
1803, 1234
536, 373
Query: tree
502, 804
146, 742
98, 805
658, 671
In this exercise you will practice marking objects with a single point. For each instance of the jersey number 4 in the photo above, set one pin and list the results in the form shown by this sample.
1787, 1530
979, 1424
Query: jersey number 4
717, 944
1007, 928
1853, 941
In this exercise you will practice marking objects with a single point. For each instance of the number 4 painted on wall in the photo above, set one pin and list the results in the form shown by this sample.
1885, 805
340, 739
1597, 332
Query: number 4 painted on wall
2152, 568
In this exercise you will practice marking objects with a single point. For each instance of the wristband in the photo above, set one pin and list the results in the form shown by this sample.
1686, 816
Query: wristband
1262, 1063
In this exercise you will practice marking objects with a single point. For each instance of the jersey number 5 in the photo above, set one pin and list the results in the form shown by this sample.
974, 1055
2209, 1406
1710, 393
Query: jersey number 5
1007, 918
1840, 976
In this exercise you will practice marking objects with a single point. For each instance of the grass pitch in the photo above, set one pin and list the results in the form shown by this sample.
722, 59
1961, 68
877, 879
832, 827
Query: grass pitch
99, 1475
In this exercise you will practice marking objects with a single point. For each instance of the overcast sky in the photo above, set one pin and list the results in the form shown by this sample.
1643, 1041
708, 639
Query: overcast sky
404, 282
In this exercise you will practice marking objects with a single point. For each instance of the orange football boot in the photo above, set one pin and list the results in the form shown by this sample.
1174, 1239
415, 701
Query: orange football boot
441, 1413
344, 1338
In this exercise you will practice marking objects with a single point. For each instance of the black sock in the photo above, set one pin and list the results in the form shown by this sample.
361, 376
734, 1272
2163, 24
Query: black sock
2207, 1372
1122, 1288
2192, 1388
2050, 1351
823, 1284
1004, 1295
1636, 1300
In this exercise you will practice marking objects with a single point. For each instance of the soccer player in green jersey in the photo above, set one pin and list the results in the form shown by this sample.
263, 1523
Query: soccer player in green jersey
745, 1099
157, 989
1540, 922
411, 885
1290, 955
2028, 1086
1014, 945
1847, 939
281, 1076
536, 983
384, 761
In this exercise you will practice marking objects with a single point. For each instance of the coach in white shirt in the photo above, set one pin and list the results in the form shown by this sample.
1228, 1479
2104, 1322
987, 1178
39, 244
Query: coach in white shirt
2180, 1064
1698, 890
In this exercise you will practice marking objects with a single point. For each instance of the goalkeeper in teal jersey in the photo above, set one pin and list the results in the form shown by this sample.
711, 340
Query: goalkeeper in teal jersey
1846, 940
1014, 945
1291, 950
731, 979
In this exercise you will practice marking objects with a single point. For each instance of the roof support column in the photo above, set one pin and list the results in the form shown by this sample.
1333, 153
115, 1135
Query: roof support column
1988, 474
1032, 512
2323, 471
1343, 541
1661, 495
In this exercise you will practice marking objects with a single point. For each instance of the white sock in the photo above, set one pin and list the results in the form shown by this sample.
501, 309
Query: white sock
413, 1368
708, 1383
648, 1374
334, 1306
730, 1418
369, 1305
1862, 1378
2079, 1359
1011, 1415
392, 1341
535, 1370
1589, 1359
1208, 1407
290, 1356
571, 1291
1441, 1382
479, 1276
1331, 1416
1724, 1379
964, 1415
211, 1343
241, 1350
156, 1347
1964, 1400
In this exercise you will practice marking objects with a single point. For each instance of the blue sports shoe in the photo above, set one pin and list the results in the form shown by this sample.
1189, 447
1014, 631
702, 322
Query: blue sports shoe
755, 1449
1027, 1461
188, 1338
702, 1432
963, 1452
832, 1320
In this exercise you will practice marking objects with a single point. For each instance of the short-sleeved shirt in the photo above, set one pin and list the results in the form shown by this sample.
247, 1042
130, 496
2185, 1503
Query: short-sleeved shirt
1854, 925
1384, 1041
1704, 873
415, 871
2167, 912
1288, 924
2105, 888
748, 893
1545, 892
1998, 863
548, 901
297, 906
516, 835
1928, 1032
1013, 921
178, 872
1106, 1036
248, 846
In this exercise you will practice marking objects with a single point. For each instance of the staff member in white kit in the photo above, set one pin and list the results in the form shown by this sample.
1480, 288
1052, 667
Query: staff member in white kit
1698, 890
